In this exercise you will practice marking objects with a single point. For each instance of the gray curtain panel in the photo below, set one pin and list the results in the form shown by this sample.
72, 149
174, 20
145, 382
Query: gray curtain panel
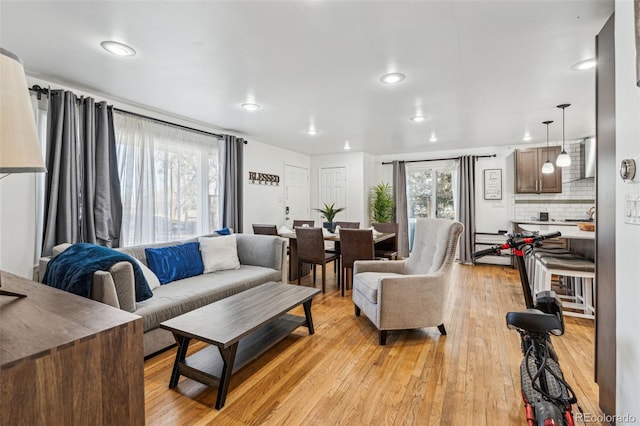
101, 200
231, 182
61, 221
467, 206
82, 192
400, 198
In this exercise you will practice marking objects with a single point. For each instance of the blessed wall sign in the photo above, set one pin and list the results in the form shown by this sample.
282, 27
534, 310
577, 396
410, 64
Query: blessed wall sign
264, 179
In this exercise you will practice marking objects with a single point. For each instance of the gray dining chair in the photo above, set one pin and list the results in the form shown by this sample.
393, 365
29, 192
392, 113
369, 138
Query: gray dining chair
387, 248
348, 225
297, 223
355, 244
260, 229
310, 243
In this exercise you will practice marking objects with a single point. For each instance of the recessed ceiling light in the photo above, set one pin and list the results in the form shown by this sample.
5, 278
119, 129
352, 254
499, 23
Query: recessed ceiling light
250, 107
392, 77
419, 118
118, 48
347, 146
433, 138
312, 132
526, 137
587, 64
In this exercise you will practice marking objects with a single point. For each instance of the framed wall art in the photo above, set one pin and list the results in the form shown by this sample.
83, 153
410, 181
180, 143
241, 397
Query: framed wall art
493, 184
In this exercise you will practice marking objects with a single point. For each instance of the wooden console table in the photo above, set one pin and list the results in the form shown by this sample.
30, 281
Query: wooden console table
65, 359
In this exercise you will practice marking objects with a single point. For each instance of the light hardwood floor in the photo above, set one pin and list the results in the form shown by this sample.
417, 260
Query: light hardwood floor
340, 375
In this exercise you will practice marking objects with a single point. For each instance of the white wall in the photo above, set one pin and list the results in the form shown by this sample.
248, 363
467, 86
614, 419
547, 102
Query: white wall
627, 236
17, 224
262, 203
495, 215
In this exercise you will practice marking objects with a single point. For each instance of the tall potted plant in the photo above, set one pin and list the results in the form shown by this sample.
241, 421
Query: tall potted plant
329, 212
381, 203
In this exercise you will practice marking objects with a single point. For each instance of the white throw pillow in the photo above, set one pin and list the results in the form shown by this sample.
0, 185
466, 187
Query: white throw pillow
152, 279
219, 253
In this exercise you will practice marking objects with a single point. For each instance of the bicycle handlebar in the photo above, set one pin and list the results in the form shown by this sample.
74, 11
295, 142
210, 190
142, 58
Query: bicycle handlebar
490, 250
516, 241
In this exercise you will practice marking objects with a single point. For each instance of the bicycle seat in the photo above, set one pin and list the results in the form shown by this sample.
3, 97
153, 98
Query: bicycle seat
534, 321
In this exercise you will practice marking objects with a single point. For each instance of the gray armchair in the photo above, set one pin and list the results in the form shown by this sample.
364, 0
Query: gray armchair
410, 293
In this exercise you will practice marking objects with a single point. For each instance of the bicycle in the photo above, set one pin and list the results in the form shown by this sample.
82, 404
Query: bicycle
547, 397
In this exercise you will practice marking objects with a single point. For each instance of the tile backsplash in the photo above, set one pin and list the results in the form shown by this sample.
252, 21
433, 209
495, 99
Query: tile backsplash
577, 196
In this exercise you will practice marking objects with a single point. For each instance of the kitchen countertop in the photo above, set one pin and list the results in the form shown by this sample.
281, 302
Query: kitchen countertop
550, 222
566, 231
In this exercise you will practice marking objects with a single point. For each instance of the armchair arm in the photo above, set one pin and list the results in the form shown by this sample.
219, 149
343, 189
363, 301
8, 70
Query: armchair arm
261, 250
411, 301
124, 281
103, 289
391, 266
115, 287
42, 267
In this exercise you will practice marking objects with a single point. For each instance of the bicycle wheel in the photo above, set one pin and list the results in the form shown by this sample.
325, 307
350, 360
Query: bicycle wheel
554, 388
548, 414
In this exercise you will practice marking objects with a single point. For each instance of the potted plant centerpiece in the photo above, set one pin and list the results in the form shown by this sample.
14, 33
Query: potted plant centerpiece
329, 212
382, 203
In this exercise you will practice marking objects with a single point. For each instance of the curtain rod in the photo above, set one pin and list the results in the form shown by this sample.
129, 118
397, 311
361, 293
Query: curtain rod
438, 159
43, 91
135, 114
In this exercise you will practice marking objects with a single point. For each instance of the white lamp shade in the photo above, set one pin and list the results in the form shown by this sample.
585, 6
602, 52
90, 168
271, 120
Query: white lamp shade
547, 167
563, 160
19, 146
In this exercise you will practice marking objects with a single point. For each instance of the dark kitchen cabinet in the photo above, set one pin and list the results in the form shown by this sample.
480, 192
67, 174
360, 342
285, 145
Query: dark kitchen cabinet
529, 176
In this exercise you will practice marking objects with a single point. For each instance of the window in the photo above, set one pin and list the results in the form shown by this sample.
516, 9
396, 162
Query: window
168, 178
429, 193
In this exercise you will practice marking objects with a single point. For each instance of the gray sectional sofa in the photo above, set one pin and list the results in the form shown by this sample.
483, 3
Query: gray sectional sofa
262, 259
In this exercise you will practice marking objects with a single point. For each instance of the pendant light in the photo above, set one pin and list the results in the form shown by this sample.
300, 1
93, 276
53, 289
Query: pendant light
547, 167
563, 160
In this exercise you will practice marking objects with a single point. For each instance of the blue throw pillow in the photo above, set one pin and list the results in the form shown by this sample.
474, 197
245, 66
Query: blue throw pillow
175, 262
223, 231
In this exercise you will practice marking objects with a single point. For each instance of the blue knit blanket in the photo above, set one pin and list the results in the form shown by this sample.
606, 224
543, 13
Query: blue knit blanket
72, 270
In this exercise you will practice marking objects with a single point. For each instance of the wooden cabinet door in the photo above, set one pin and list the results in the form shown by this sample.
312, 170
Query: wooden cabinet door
527, 171
551, 183
529, 177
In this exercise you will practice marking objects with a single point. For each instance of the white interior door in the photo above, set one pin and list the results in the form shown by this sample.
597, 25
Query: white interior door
333, 188
296, 194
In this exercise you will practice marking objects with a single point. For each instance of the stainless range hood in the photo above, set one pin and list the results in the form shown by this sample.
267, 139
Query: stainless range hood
588, 158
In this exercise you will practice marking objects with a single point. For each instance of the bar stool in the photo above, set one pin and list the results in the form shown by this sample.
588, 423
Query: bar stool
538, 254
532, 266
583, 270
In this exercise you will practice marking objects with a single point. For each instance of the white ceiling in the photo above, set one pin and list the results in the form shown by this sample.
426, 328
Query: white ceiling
486, 72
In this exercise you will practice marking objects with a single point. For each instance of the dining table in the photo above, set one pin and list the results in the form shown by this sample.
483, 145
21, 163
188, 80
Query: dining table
328, 236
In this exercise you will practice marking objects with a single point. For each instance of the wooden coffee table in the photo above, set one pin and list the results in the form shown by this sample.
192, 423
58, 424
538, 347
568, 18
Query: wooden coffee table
238, 328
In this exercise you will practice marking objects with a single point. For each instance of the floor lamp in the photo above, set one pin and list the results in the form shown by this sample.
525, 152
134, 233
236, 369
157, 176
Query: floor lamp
19, 146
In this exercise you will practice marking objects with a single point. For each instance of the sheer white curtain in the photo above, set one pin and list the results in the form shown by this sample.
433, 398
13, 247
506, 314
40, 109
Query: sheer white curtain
169, 180
40, 108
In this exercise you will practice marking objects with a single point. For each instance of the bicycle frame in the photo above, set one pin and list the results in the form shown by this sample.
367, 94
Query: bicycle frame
524, 278
545, 391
